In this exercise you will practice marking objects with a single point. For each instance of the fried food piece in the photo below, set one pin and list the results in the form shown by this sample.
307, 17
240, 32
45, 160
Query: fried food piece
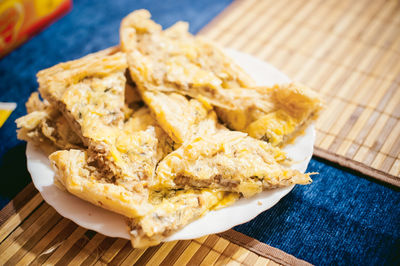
54, 81
180, 117
173, 60
45, 127
35, 104
135, 154
153, 217
174, 209
210, 156
80, 176
212, 166
90, 93
229, 161
135, 141
277, 114
141, 121
137, 144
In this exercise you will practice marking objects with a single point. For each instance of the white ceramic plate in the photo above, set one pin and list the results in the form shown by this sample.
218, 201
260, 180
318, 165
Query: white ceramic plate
112, 224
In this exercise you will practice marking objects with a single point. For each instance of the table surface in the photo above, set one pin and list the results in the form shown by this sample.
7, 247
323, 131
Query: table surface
342, 217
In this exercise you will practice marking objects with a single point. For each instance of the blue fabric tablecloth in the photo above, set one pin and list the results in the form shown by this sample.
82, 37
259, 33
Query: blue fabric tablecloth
341, 218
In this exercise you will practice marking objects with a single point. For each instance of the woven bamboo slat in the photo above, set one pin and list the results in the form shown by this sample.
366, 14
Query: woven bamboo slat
347, 50
42, 236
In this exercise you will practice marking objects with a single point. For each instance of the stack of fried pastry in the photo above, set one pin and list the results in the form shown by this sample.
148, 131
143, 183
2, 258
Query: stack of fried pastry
164, 128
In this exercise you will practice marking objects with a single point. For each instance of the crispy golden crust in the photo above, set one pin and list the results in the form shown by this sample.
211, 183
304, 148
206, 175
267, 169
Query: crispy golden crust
175, 60
153, 217
45, 127
210, 156
215, 162
227, 160
87, 182
90, 93
276, 114
141, 120
173, 210
181, 119
55, 80
34, 103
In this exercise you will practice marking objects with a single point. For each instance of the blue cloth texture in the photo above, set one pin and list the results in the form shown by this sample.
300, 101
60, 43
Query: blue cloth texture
341, 218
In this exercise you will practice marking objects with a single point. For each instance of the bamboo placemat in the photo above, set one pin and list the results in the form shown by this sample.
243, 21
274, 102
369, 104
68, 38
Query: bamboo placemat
32, 232
347, 50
